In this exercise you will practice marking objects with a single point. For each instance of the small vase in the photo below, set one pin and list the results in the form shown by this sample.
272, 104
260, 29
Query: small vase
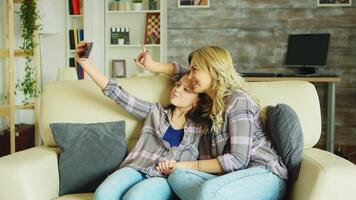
128, 5
122, 6
137, 6
152, 39
114, 5
152, 5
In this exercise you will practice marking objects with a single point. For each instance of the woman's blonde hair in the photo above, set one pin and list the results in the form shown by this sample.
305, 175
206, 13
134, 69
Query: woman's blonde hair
219, 63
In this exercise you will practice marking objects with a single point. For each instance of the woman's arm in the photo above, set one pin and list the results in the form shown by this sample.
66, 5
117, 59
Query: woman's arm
208, 166
241, 127
145, 61
240, 119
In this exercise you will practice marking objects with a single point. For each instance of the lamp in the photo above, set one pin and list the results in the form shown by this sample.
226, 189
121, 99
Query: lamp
66, 73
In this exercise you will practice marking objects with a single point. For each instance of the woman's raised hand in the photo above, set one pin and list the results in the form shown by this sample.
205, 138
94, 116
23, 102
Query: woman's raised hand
144, 60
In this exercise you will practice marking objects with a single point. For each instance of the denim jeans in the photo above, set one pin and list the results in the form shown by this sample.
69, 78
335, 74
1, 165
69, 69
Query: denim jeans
128, 183
254, 183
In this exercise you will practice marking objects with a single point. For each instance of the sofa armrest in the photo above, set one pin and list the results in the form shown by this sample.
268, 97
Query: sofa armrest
324, 175
30, 175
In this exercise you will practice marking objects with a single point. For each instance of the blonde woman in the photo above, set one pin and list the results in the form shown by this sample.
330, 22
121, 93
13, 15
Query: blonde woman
236, 158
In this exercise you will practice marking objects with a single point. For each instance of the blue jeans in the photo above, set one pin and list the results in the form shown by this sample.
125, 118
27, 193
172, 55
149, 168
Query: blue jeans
253, 183
128, 183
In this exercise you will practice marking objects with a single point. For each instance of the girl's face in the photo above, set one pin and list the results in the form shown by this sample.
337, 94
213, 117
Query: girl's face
200, 79
182, 94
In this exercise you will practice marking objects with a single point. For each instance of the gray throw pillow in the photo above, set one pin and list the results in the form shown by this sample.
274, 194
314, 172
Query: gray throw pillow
286, 132
90, 152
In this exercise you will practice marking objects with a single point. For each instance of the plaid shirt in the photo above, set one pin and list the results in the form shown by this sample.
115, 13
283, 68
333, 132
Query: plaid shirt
151, 148
242, 143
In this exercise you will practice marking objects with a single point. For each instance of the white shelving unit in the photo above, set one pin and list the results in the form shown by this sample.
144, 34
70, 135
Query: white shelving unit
136, 22
72, 22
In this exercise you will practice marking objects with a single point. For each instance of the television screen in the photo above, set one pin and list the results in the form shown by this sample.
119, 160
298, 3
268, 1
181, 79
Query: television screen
307, 50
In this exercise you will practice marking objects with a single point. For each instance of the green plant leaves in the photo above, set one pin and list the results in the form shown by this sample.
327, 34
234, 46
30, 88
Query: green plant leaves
30, 25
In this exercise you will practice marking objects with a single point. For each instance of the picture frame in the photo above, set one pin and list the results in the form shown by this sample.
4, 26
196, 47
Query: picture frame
193, 3
118, 69
333, 3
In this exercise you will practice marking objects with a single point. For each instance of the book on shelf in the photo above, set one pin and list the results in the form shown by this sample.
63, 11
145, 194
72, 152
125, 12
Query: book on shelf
79, 69
75, 36
75, 7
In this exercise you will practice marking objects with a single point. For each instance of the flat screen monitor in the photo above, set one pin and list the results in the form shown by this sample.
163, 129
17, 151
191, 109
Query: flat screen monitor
307, 50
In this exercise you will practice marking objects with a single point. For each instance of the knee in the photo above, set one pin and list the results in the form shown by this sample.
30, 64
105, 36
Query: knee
176, 175
105, 192
130, 195
101, 193
208, 190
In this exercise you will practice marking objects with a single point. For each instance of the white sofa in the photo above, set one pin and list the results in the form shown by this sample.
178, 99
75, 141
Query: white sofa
33, 174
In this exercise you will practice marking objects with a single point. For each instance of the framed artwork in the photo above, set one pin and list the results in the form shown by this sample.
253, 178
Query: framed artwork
118, 69
193, 3
153, 28
321, 3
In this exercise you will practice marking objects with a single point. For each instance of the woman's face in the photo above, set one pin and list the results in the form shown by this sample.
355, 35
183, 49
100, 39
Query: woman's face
200, 79
182, 94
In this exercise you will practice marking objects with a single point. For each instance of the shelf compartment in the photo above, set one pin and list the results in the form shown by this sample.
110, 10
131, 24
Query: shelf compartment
75, 16
133, 45
29, 106
4, 53
131, 11
4, 110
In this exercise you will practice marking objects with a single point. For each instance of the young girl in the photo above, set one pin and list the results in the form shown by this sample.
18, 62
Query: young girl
168, 133
236, 147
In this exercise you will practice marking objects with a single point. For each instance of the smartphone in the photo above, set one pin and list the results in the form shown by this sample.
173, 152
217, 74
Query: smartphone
87, 49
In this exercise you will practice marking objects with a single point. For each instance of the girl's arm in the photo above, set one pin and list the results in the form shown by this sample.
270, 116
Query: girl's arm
133, 105
89, 68
137, 107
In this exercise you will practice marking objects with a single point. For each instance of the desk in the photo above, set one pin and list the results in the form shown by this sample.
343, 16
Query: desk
330, 127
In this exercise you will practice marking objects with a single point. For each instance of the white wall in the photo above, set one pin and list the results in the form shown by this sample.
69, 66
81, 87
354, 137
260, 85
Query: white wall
53, 46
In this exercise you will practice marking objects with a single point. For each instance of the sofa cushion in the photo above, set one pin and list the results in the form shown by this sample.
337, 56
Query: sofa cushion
90, 152
286, 133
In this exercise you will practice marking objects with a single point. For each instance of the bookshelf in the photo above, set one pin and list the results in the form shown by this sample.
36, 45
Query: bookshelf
9, 53
74, 31
135, 22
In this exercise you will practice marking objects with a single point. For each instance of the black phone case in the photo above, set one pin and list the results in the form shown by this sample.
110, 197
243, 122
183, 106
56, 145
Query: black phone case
86, 52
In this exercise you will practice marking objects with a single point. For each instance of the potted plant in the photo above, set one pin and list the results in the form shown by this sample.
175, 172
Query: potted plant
30, 25
137, 4
152, 4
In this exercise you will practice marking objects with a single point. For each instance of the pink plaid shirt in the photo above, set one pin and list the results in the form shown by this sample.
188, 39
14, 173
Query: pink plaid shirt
151, 148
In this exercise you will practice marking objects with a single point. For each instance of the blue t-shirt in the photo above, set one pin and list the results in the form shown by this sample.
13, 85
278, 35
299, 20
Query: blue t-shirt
173, 136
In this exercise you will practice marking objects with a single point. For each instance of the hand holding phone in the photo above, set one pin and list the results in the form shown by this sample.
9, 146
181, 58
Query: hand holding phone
86, 50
